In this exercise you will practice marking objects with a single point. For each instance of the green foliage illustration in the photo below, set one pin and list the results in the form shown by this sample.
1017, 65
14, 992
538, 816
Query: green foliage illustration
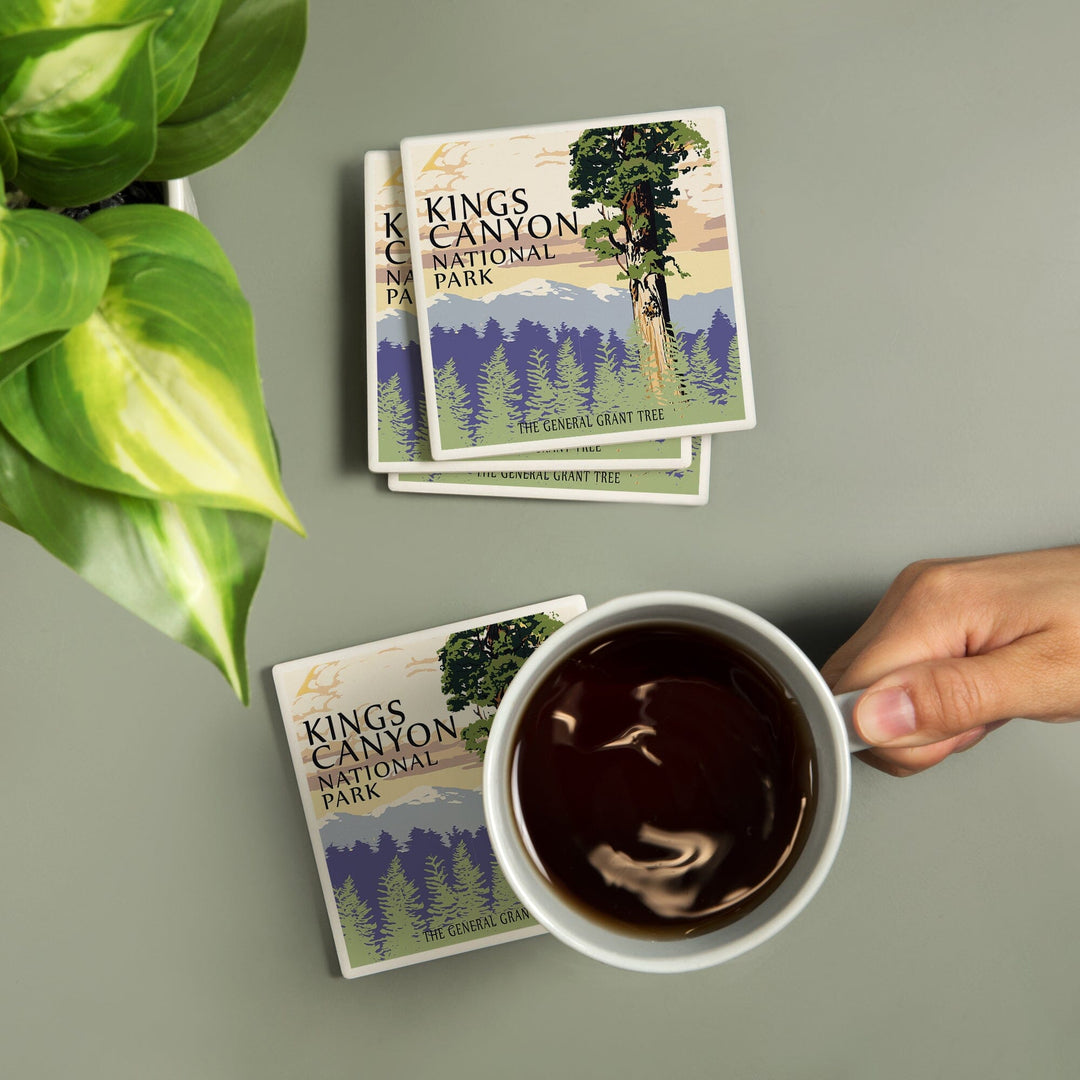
455, 413
399, 430
402, 912
436, 890
499, 414
704, 370
571, 383
469, 884
732, 385
477, 666
462, 895
542, 400
444, 904
607, 389
502, 896
694, 387
357, 925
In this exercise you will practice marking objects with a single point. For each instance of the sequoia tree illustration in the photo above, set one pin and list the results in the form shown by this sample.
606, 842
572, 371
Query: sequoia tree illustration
477, 666
630, 173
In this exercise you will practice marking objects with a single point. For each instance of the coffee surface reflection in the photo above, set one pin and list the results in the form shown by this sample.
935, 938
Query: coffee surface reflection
663, 779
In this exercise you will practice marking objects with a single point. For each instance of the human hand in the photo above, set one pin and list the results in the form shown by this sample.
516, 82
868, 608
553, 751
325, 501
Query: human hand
957, 647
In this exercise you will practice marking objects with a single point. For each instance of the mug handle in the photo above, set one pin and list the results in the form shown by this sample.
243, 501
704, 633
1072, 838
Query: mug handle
846, 704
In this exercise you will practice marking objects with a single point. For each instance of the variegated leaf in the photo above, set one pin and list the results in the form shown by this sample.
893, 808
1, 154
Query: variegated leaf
52, 274
145, 229
176, 44
245, 68
190, 571
79, 107
16, 358
157, 394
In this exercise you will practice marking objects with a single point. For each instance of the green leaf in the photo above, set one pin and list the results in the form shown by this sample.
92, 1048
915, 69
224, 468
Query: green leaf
146, 229
53, 272
79, 106
244, 70
187, 570
9, 157
176, 44
7, 515
16, 358
18, 16
157, 394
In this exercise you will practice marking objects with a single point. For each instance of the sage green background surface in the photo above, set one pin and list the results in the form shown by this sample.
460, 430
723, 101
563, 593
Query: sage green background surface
907, 178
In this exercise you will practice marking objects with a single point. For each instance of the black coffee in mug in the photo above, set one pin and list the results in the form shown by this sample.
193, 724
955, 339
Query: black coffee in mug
663, 779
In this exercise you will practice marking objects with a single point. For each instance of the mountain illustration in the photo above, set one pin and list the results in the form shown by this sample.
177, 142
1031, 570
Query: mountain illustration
690, 314
397, 325
550, 303
439, 809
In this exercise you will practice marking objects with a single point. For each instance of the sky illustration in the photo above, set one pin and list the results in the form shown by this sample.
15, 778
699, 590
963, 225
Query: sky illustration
538, 160
409, 676
387, 196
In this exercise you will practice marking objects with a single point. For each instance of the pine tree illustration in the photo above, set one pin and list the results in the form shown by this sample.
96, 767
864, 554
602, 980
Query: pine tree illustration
571, 383
357, 925
637, 391
607, 387
499, 415
402, 912
469, 884
540, 404
455, 413
423, 439
731, 386
443, 904
502, 896
705, 382
395, 422
674, 380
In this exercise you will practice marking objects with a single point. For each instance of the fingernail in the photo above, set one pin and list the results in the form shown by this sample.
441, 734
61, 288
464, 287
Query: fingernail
885, 715
970, 738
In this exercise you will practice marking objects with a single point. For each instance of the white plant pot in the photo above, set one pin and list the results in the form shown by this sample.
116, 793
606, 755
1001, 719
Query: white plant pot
178, 194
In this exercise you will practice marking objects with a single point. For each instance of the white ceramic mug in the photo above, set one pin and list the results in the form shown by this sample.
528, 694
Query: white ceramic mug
834, 740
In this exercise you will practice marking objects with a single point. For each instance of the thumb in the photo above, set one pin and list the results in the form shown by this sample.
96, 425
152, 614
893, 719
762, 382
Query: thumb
938, 699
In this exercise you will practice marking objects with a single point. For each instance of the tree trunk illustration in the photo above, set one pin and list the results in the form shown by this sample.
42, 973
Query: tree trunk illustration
629, 173
648, 287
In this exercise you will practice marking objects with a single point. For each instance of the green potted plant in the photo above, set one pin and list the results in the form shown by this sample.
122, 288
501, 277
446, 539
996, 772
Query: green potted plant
134, 441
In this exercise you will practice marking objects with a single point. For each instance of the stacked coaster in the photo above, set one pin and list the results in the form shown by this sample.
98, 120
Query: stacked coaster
556, 311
